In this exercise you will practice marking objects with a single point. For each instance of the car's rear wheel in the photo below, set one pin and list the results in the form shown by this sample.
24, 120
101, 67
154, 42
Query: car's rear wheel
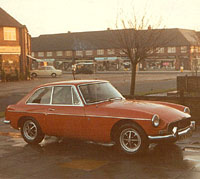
131, 139
34, 75
31, 132
53, 75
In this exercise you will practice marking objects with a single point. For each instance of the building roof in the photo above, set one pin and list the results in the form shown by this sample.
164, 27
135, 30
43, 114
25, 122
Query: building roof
7, 20
106, 39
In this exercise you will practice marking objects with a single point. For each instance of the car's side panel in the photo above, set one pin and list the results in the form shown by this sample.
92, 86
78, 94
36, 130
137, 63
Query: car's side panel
36, 112
100, 121
65, 121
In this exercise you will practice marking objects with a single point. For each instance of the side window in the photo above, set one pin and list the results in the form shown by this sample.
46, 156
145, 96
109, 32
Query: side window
42, 68
62, 95
41, 96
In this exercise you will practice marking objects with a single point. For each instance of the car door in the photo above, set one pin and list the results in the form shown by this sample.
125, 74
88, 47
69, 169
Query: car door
65, 115
48, 71
41, 71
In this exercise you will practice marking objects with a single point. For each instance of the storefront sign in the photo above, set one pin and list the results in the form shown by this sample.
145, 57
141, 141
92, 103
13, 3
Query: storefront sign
49, 60
10, 50
105, 58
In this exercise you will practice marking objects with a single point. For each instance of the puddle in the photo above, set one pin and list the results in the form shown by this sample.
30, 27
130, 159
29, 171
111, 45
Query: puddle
86, 165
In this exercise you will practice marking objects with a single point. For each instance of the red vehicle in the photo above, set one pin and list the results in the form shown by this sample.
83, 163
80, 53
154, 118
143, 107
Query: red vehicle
94, 110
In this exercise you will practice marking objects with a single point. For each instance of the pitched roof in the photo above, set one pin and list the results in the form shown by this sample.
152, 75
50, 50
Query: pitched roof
105, 39
7, 20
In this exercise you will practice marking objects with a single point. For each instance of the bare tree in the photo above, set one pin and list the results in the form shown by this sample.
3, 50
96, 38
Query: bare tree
138, 40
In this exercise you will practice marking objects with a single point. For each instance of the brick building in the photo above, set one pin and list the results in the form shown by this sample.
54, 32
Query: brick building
177, 48
14, 48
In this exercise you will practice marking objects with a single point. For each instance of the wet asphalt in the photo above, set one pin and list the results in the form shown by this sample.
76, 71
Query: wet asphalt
65, 158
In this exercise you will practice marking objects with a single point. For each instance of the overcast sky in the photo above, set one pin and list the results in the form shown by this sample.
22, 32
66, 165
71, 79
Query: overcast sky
61, 16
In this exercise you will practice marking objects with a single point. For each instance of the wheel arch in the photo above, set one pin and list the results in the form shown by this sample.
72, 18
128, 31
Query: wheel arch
23, 119
54, 74
122, 122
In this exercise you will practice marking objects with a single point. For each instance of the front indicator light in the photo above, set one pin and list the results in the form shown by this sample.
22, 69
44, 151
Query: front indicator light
155, 120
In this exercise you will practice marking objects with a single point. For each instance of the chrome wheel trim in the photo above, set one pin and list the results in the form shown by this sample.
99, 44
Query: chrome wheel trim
130, 140
30, 130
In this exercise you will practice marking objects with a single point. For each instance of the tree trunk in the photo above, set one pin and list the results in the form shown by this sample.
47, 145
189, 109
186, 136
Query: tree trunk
133, 79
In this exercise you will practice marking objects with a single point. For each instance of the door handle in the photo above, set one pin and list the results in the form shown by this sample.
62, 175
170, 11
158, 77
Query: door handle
51, 109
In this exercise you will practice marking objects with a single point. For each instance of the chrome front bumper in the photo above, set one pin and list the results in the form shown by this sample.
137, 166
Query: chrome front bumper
175, 133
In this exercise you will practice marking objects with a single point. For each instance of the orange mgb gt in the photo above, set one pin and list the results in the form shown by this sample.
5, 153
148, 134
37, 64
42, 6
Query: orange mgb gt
94, 110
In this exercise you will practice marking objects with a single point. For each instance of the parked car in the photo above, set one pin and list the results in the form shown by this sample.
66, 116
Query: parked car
46, 71
85, 68
94, 110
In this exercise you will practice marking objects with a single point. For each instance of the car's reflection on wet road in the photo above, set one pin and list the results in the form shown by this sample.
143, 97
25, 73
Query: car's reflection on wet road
64, 158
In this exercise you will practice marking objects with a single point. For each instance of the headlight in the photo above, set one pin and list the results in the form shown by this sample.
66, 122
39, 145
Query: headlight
186, 110
155, 120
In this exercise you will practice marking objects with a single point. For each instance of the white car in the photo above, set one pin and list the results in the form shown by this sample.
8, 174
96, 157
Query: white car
46, 71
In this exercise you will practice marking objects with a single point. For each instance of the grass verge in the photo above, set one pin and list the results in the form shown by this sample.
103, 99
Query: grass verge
155, 92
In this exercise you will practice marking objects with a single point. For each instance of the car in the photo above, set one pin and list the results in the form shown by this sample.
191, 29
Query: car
85, 68
94, 110
46, 71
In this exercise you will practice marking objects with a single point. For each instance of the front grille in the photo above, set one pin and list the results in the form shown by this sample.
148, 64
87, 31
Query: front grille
181, 124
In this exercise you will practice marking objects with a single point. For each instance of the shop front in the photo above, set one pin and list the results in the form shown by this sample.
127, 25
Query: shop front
109, 63
9, 62
160, 64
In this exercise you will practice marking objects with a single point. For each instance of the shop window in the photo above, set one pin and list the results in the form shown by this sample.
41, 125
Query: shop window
9, 33
171, 49
40, 54
88, 52
49, 54
59, 53
100, 52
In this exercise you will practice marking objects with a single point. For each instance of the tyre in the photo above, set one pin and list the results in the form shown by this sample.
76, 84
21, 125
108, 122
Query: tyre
53, 75
31, 132
131, 139
34, 75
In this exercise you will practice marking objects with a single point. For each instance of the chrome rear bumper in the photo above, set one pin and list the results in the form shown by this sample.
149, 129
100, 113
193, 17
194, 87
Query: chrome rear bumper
6, 121
175, 133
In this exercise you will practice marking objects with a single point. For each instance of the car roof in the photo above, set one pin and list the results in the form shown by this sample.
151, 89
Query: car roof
73, 82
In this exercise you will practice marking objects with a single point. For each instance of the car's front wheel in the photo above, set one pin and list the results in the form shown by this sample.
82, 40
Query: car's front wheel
131, 139
31, 132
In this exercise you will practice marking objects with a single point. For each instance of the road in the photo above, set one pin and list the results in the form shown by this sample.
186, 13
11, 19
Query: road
11, 92
55, 158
